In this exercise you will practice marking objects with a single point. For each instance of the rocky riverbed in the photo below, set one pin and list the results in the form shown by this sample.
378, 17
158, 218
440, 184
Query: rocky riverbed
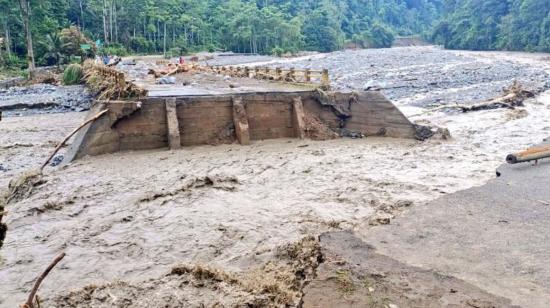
423, 76
44, 98
232, 225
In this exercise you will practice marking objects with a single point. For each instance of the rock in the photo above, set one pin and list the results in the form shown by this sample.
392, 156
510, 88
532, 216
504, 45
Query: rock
128, 62
422, 132
344, 132
166, 80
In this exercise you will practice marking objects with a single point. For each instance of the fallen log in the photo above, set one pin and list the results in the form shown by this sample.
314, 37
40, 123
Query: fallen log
531, 154
513, 97
97, 116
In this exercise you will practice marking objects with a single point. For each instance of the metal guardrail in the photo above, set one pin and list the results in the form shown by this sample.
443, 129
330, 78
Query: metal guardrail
305, 76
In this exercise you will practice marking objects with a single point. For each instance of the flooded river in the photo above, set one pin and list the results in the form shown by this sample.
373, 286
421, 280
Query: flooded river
135, 216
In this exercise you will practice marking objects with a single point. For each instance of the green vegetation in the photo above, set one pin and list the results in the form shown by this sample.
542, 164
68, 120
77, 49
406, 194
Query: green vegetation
495, 24
73, 74
58, 28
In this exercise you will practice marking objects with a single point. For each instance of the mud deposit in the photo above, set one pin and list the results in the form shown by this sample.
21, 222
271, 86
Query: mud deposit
43, 98
235, 225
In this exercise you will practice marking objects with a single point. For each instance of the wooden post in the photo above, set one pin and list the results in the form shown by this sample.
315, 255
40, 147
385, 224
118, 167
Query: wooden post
122, 81
256, 72
325, 80
246, 71
278, 73
292, 74
307, 75
266, 69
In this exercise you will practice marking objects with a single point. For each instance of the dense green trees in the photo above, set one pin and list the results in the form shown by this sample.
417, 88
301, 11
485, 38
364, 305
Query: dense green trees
495, 24
251, 26
268, 26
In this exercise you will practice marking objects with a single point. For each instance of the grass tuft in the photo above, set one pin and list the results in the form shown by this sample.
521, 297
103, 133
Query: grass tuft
73, 74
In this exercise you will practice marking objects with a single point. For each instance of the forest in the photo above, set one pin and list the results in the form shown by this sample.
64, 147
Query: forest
56, 29
494, 25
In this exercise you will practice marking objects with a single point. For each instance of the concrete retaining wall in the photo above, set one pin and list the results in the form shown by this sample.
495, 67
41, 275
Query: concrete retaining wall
196, 120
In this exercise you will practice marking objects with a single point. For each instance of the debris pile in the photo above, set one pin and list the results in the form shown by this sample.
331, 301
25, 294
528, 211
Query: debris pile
109, 86
278, 283
514, 96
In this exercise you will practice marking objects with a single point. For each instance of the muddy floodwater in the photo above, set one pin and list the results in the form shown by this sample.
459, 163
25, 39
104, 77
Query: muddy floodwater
128, 220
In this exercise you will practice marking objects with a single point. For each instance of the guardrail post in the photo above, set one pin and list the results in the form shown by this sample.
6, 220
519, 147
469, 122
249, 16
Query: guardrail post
307, 75
266, 73
325, 80
246, 71
278, 73
292, 73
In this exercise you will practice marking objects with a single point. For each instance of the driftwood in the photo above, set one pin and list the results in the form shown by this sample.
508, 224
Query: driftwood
97, 116
172, 69
30, 300
514, 97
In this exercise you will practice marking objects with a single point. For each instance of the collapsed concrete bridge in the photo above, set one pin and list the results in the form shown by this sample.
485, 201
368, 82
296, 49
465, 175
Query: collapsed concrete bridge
172, 119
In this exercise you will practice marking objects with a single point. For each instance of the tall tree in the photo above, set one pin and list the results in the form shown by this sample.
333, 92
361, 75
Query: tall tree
25, 16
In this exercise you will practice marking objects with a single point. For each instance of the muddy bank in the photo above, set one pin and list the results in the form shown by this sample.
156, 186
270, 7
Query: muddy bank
353, 274
43, 98
493, 236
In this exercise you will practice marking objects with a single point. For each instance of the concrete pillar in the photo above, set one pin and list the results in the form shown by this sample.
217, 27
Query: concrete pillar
240, 119
298, 118
174, 139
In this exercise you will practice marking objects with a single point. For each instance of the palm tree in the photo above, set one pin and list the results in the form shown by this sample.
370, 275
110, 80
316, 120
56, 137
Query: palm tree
54, 47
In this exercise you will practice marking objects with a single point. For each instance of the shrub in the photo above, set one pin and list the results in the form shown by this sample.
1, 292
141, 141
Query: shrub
277, 51
141, 45
70, 39
174, 52
12, 61
378, 36
73, 74
115, 49
211, 48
